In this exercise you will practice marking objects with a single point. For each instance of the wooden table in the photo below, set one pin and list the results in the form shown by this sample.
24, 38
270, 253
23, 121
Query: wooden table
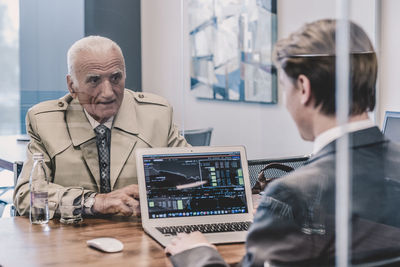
55, 244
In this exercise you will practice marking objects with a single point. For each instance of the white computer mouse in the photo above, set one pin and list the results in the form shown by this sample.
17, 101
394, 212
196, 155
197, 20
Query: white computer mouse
106, 244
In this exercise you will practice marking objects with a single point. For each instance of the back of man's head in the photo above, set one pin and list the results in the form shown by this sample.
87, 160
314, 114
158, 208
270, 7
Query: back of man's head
311, 51
93, 44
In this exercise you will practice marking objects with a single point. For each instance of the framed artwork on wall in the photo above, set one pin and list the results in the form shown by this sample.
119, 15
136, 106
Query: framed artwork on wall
231, 43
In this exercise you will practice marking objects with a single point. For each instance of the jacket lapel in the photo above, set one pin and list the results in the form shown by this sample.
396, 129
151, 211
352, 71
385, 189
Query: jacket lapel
82, 135
123, 137
122, 145
91, 158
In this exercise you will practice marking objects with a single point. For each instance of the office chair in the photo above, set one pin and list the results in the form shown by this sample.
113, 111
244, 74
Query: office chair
17, 168
255, 166
6, 191
3, 190
9, 209
198, 137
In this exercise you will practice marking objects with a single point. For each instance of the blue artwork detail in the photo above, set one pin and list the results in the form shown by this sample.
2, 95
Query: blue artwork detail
231, 46
211, 22
233, 81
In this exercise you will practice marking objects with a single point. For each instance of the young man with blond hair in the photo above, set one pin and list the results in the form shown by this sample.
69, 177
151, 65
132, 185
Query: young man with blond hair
295, 222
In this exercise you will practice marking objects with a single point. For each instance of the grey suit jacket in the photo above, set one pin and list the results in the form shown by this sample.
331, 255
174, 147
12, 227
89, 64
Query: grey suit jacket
295, 221
61, 131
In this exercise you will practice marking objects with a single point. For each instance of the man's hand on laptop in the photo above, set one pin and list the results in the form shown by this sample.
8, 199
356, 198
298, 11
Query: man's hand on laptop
124, 201
185, 241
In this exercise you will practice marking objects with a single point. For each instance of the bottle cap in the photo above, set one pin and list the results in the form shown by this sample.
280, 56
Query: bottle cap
37, 156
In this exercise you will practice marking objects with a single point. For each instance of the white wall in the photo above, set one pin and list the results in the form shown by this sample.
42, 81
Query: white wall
389, 58
266, 130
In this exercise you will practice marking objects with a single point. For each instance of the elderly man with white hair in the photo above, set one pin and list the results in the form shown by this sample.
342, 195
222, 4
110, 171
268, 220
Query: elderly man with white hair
89, 136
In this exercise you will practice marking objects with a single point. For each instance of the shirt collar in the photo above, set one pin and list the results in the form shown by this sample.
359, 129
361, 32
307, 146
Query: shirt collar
95, 123
334, 133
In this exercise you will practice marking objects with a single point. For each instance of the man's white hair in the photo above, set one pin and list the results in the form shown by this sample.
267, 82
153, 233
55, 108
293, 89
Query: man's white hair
95, 44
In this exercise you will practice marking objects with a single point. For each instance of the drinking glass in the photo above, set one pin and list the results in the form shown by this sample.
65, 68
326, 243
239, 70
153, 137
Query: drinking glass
71, 205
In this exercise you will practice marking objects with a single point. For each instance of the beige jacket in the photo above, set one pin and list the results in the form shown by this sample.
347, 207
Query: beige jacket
61, 131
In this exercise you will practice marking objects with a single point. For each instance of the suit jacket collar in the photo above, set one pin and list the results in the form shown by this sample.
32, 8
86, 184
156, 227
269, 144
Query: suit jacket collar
125, 120
366, 137
80, 129
78, 125
123, 136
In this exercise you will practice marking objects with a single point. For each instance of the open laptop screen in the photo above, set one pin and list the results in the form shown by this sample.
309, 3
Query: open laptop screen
391, 125
200, 184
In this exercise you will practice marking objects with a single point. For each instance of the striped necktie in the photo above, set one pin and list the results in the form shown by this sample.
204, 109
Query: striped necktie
103, 137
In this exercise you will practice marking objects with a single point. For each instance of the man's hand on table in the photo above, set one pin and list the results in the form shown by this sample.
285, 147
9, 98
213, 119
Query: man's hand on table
124, 201
185, 241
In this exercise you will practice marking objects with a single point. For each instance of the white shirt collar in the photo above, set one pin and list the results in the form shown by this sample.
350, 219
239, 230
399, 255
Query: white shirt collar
334, 133
95, 123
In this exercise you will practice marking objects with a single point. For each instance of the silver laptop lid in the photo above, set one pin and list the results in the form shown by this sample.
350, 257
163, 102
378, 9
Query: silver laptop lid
193, 182
391, 125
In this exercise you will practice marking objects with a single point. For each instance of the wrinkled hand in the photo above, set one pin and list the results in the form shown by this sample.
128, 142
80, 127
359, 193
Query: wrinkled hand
124, 201
185, 241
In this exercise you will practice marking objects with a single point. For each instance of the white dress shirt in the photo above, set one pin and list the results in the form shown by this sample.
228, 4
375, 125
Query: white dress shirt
334, 133
95, 123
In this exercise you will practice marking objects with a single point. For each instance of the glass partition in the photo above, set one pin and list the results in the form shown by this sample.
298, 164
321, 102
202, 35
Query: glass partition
212, 61
9, 93
207, 99
9, 73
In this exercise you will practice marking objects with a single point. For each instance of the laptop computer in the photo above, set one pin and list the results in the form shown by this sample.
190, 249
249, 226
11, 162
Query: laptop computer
204, 189
391, 125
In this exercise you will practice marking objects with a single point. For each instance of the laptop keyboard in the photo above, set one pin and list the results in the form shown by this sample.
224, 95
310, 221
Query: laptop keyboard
205, 228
